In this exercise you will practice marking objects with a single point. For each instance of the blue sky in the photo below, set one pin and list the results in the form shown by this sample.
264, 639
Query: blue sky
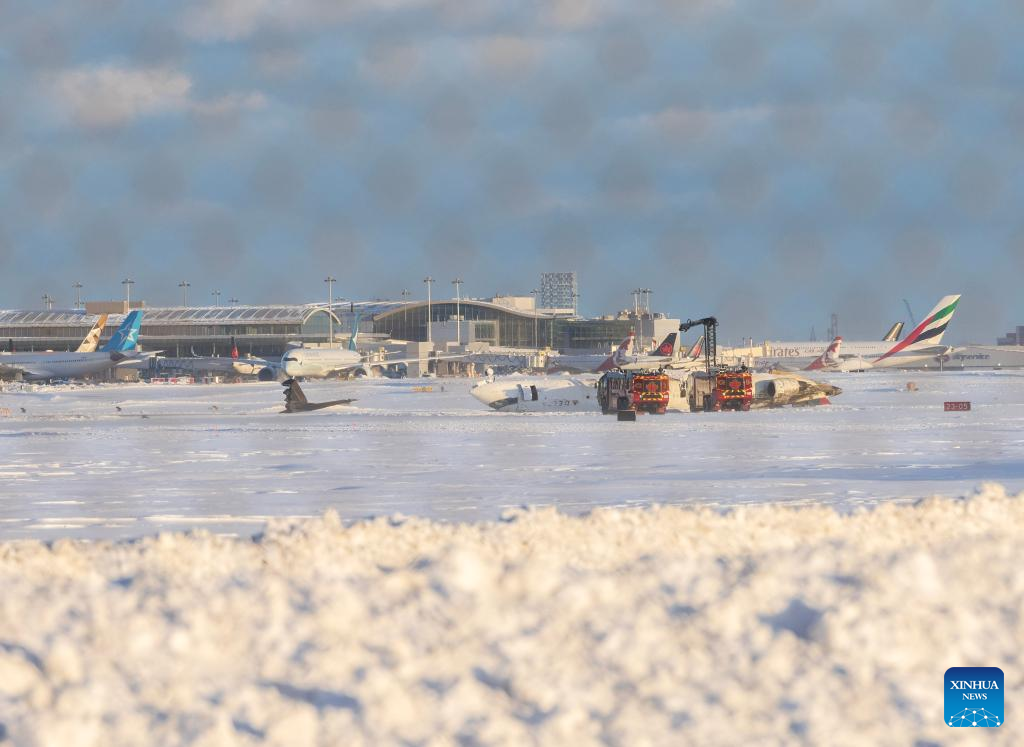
767, 162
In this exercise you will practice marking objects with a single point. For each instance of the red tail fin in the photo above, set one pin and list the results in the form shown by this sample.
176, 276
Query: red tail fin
620, 355
829, 357
667, 346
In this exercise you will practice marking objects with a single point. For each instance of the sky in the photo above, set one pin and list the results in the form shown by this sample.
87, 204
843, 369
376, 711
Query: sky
767, 162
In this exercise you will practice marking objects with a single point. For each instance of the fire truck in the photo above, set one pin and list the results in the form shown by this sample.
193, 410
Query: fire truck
717, 387
638, 391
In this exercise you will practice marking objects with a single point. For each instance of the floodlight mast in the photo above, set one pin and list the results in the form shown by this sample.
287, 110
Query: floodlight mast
710, 325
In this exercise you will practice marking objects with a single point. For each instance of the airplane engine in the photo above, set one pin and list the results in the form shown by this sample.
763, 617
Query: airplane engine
271, 373
777, 389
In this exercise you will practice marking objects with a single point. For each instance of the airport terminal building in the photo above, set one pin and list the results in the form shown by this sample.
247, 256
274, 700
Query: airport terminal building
510, 322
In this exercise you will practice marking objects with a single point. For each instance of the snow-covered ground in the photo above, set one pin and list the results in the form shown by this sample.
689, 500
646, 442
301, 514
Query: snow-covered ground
767, 625
807, 624
222, 457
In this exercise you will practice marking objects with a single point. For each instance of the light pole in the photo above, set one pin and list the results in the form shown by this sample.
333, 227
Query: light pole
216, 297
536, 342
429, 281
128, 283
330, 280
48, 300
575, 303
405, 311
233, 301
78, 294
457, 282
184, 285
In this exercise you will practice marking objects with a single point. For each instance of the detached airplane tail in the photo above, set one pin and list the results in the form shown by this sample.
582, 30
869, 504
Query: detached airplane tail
127, 335
894, 333
620, 357
295, 399
92, 340
829, 358
667, 347
930, 331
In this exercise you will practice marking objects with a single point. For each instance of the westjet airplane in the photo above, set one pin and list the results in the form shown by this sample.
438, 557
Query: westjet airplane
921, 345
37, 366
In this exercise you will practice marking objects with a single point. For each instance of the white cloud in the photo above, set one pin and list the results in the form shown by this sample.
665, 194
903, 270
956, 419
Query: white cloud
109, 95
686, 123
232, 20
230, 104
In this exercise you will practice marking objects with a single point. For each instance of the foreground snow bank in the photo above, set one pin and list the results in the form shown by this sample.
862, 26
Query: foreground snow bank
765, 625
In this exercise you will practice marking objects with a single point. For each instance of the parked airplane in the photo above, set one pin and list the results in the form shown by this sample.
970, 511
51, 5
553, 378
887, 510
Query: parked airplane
922, 344
833, 360
592, 362
92, 340
36, 366
894, 332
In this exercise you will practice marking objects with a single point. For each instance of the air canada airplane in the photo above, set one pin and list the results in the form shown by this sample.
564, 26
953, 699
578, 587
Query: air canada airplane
37, 366
921, 345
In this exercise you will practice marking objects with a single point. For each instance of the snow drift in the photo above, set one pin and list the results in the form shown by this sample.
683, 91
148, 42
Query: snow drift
766, 625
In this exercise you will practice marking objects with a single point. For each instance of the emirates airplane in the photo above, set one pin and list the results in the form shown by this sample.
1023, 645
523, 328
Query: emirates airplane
920, 346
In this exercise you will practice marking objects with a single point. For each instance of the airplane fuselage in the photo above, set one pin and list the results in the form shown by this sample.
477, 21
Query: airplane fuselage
801, 354
544, 394
37, 366
318, 363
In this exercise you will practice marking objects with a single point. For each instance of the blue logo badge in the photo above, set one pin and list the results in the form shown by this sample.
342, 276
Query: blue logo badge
974, 696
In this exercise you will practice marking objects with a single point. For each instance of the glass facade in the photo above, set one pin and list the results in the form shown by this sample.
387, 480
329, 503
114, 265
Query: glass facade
265, 330
510, 328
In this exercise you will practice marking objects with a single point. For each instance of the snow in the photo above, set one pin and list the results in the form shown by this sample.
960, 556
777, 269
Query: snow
802, 590
223, 458
768, 625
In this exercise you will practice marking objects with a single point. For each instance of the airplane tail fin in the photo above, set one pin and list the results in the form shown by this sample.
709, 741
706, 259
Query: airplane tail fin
355, 332
667, 347
127, 335
234, 348
697, 350
829, 357
92, 340
930, 331
293, 394
894, 333
620, 356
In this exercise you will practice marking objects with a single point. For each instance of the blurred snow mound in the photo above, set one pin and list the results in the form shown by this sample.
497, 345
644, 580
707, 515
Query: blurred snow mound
769, 625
